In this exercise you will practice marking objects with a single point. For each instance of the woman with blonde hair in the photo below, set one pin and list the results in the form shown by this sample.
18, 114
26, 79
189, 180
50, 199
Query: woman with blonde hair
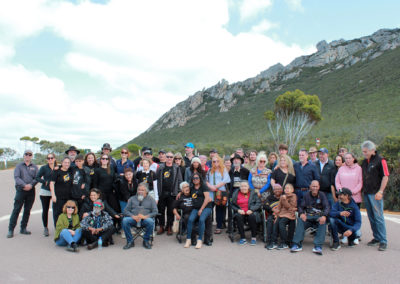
68, 228
260, 176
180, 162
217, 178
284, 172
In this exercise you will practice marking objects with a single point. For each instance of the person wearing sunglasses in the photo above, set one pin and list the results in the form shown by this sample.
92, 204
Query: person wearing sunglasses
169, 178
260, 176
96, 224
25, 182
180, 162
124, 162
106, 150
68, 228
61, 187
44, 177
81, 181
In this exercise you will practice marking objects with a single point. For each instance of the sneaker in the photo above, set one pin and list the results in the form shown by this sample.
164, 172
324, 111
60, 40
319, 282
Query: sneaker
296, 248
317, 250
268, 246
282, 247
351, 244
382, 247
75, 247
373, 243
10, 234
242, 242
356, 242
24, 231
123, 235
46, 232
336, 246
253, 242
70, 248
345, 240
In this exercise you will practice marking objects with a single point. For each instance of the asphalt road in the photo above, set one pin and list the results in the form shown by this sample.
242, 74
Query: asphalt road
36, 259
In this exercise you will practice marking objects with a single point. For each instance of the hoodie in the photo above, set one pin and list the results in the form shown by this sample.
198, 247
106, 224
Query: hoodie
353, 222
351, 178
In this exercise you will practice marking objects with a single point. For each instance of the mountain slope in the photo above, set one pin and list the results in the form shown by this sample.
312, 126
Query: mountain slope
357, 81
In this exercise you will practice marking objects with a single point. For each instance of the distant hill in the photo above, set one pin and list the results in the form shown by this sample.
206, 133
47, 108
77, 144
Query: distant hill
357, 81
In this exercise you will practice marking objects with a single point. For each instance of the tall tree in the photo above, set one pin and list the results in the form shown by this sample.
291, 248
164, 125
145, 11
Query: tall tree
6, 154
294, 114
25, 139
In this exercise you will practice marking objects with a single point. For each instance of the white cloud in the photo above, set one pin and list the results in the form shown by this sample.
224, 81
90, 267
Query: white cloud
150, 55
263, 27
251, 8
295, 5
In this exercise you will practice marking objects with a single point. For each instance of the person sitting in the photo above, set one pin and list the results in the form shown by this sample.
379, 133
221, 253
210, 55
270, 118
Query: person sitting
345, 218
286, 209
313, 211
98, 224
270, 207
184, 202
87, 206
68, 228
139, 211
245, 203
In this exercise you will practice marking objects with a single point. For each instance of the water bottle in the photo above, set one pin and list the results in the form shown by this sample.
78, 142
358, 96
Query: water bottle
100, 243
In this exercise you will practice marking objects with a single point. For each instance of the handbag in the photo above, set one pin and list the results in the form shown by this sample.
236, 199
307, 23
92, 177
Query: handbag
175, 226
221, 197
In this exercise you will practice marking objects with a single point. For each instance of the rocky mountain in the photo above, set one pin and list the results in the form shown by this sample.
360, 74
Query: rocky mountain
354, 61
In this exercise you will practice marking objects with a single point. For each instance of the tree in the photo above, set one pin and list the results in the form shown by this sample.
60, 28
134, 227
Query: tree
6, 154
35, 141
295, 113
25, 139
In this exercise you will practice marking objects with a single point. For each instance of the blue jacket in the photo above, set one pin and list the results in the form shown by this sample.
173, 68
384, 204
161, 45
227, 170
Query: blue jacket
305, 175
353, 222
121, 167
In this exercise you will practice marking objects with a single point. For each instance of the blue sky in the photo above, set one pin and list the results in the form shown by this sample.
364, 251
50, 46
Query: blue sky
88, 72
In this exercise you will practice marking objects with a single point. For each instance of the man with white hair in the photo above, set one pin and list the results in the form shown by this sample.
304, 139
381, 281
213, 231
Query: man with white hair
375, 178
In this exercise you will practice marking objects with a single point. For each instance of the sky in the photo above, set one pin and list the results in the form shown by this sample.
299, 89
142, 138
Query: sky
87, 72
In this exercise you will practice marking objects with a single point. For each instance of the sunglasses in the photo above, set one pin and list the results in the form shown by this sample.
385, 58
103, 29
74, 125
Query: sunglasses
124, 152
263, 161
170, 157
104, 159
178, 158
28, 154
50, 158
70, 207
215, 162
97, 205
195, 178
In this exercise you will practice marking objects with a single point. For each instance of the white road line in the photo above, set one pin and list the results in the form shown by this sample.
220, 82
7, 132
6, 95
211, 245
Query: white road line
388, 218
34, 212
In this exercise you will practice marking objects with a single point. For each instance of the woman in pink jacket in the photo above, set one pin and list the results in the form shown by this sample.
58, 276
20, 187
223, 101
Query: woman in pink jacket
350, 176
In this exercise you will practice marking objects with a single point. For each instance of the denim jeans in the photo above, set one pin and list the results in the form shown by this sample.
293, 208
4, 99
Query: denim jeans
122, 204
338, 226
66, 238
376, 217
220, 212
302, 226
299, 194
202, 222
286, 235
128, 223
272, 229
329, 196
22, 198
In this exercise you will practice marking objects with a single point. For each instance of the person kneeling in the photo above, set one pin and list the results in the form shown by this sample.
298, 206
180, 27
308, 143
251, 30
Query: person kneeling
139, 211
97, 224
345, 218
68, 228
313, 211
245, 203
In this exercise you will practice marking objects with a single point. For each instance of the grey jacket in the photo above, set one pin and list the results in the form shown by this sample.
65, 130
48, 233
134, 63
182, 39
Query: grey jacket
176, 182
147, 207
24, 175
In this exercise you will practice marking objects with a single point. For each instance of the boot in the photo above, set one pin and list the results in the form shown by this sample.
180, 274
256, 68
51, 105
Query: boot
199, 243
169, 232
46, 232
160, 231
188, 243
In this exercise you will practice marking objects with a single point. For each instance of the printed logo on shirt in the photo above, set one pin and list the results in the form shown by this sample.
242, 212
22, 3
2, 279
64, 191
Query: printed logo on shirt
91, 172
66, 178
194, 195
167, 174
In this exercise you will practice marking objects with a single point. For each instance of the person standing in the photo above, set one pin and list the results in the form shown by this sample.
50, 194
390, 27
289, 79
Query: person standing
106, 150
81, 181
260, 177
161, 156
284, 172
313, 153
71, 153
44, 177
252, 160
124, 162
169, 178
325, 168
212, 153
189, 148
375, 178
25, 182
180, 162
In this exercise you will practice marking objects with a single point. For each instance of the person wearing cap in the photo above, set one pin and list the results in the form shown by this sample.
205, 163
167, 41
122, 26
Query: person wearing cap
97, 224
313, 153
195, 167
81, 181
147, 153
25, 182
252, 160
189, 148
161, 156
72, 152
212, 153
345, 218
106, 149
325, 169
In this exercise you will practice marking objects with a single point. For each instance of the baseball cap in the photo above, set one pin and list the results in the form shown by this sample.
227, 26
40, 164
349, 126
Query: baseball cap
189, 145
28, 151
323, 150
106, 146
161, 151
312, 150
345, 191
213, 151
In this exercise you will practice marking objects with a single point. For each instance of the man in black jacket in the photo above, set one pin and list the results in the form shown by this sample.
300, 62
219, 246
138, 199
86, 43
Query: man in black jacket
325, 168
375, 178
169, 178
313, 211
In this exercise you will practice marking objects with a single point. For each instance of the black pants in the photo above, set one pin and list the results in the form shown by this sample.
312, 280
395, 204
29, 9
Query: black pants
286, 235
240, 221
105, 235
22, 198
45, 209
272, 229
166, 202
57, 209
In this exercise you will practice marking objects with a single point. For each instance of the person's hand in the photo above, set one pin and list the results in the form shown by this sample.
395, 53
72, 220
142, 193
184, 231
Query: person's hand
117, 216
83, 197
54, 199
258, 194
241, 212
345, 213
200, 211
348, 233
85, 215
82, 186
72, 232
136, 218
303, 217
157, 202
322, 220
98, 230
284, 197
249, 212
177, 197
335, 198
378, 195
27, 187
178, 217
92, 230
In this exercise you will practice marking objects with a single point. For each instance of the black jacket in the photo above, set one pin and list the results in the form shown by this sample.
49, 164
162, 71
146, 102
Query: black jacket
244, 175
177, 179
87, 207
126, 190
314, 205
44, 176
103, 181
79, 178
373, 173
325, 176
254, 201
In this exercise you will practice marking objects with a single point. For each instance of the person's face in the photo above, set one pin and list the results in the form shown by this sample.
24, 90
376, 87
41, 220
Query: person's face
186, 189
94, 196
70, 209
237, 163
338, 161
288, 189
203, 160
72, 154
196, 165
272, 159
196, 180
147, 156
303, 156
314, 187
90, 160
344, 198
278, 191
313, 156
212, 155
342, 152
124, 154
178, 161
106, 151
253, 156
283, 151
161, 156
323, 157
141, 191
349, 160
246, 159
262, 163
146, 165
128, 175
215, 162
104, 160
79, 163
50, 159
283, 163
188, 150
240, 152
97, 209
244, 188
227, 164
367, 153
65, 164
170, 158
28, 157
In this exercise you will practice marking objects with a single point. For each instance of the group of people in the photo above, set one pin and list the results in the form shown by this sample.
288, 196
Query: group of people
94, 198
